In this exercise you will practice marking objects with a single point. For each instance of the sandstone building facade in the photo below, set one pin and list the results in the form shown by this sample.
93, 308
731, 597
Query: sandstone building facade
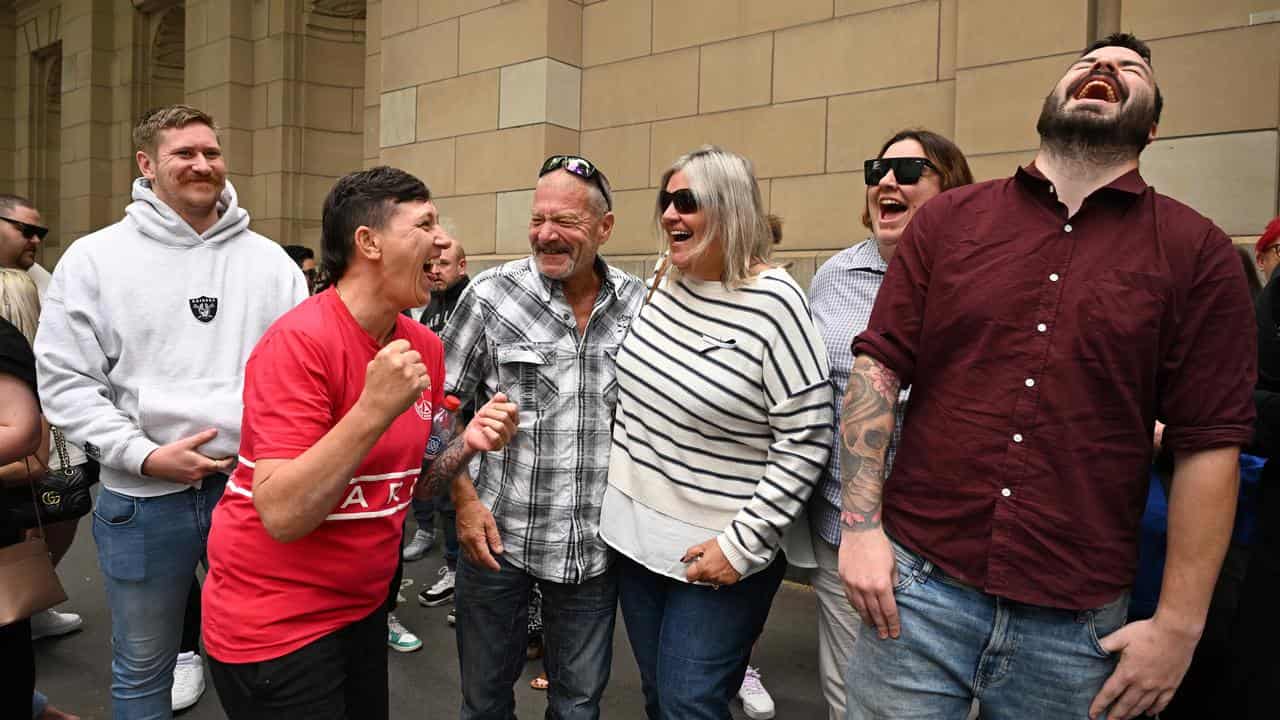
472, 94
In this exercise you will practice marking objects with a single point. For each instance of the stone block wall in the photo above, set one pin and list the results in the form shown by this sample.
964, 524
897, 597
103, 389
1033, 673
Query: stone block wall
472, 94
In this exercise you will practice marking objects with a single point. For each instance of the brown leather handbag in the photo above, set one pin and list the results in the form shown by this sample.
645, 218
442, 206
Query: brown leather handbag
28, 583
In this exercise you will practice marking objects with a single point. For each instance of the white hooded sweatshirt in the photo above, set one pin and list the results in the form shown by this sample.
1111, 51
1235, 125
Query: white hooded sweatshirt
146, 328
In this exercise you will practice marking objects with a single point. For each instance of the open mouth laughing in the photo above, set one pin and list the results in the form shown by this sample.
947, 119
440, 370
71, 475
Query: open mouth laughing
1098, 87
891, 209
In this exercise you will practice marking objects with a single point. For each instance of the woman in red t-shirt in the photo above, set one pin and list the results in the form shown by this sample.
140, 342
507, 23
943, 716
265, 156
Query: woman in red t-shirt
338, 400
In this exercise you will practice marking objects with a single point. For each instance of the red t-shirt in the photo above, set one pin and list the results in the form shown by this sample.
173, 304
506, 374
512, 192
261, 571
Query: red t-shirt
263, 598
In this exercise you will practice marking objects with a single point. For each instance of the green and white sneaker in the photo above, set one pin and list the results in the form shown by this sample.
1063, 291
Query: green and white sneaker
399, 638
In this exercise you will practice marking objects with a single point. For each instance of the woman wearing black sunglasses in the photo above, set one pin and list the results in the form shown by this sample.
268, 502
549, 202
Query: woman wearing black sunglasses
722, 426
912, 167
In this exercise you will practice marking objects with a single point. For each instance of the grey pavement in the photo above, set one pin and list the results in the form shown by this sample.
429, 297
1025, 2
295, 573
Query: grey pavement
74, 671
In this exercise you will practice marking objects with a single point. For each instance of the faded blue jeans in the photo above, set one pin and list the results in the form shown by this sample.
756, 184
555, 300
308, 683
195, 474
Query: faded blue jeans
148, 549
1019, 661
493, 631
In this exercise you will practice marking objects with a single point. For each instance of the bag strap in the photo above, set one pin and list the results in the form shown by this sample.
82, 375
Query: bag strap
60, 444
657, 277
35, 504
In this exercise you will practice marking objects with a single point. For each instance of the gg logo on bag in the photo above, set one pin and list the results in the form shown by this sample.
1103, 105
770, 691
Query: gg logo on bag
51, 498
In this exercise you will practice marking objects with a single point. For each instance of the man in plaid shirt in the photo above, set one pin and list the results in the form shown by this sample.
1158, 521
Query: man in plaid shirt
544, 331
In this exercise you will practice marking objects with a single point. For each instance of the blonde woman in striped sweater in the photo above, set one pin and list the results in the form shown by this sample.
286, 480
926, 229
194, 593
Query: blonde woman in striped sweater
722, 428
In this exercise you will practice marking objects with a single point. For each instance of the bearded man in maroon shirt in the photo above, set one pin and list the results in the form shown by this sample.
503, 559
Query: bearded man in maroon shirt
1044, 323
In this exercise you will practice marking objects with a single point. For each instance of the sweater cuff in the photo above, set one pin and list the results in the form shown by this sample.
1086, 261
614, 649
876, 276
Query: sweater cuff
135, 452
736, 557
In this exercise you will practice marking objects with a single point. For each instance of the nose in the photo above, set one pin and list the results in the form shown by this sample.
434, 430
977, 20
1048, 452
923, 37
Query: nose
889, 180
669, 213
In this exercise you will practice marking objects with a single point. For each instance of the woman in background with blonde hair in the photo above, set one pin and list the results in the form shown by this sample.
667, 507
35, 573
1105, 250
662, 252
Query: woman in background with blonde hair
722, 427
20, 307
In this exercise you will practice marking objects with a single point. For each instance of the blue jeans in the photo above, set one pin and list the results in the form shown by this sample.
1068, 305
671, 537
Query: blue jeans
148, 549
493, 632
958, 643
692, 642
423, 512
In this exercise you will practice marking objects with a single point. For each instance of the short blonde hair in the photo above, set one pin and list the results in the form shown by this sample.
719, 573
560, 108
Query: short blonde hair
724, 184
20, 301
146, 134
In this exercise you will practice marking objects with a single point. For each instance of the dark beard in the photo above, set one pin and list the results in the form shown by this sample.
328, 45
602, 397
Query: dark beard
1088, 137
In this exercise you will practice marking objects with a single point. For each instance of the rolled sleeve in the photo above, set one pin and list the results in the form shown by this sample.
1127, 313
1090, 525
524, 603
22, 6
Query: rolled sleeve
1207, 377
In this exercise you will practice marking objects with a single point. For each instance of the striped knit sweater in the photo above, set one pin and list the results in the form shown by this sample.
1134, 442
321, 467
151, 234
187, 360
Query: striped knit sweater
724, 415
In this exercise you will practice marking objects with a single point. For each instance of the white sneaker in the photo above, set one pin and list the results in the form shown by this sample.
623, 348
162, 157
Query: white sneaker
51, 623
756, 701
188, 681
418, 546
441, 592
399, 638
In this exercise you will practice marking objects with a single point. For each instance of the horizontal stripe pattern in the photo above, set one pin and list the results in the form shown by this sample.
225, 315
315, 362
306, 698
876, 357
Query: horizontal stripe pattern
724, 416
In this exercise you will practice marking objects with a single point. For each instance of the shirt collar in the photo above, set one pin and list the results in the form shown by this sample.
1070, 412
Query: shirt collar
543, 286
864, 256
1130, 183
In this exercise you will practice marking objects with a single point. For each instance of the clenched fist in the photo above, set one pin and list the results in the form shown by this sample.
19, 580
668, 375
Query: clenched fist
395, 378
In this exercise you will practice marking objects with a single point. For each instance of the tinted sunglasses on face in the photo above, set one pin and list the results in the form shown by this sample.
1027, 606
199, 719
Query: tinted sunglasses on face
27, 229
686, 203
906, 170
581, 167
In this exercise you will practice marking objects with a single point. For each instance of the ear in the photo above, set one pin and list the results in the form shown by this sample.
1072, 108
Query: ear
368, 243
1151, 134
606, 227
146, 165
462, 264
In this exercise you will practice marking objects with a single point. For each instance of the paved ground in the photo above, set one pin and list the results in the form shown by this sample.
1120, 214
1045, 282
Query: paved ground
75, 670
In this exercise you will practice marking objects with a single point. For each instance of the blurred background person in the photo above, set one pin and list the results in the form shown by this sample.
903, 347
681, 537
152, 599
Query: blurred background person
19, 313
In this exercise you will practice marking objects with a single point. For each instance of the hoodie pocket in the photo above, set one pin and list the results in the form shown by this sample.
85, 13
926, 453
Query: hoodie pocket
172, 411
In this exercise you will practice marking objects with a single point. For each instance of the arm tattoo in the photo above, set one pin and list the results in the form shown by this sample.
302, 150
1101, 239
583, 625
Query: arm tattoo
866, 424
447, 465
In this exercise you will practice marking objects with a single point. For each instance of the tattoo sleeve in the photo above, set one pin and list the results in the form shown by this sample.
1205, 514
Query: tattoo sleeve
866, 425
447, 465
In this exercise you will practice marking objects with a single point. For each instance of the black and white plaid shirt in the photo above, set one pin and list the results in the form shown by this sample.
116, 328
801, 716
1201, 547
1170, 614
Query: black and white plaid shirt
514, 332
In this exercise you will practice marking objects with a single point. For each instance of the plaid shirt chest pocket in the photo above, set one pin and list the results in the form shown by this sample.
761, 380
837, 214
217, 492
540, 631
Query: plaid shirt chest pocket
527, 373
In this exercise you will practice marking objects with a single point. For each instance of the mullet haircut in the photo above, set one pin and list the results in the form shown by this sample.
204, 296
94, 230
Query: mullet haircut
360, 199
1129, 41
146, 134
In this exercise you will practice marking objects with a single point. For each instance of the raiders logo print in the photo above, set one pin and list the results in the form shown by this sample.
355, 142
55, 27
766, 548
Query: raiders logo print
204, 308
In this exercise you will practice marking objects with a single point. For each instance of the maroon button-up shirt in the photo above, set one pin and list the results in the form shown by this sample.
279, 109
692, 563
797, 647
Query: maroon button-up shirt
1040, 350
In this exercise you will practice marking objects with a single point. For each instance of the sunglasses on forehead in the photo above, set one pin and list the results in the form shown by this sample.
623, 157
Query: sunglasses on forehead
581, 167
27, 229
906, 170
684, 200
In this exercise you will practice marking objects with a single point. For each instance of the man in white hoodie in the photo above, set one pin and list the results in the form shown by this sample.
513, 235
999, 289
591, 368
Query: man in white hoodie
146, 328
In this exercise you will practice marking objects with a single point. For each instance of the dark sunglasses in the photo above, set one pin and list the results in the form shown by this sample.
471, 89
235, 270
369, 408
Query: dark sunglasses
906, 170
581, 167
686, 203
27, 229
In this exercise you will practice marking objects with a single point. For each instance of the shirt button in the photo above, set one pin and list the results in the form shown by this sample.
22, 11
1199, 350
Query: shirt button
1017, 437
1067, 227
1053, 277
1042, 327
1030, 382
1006, 492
